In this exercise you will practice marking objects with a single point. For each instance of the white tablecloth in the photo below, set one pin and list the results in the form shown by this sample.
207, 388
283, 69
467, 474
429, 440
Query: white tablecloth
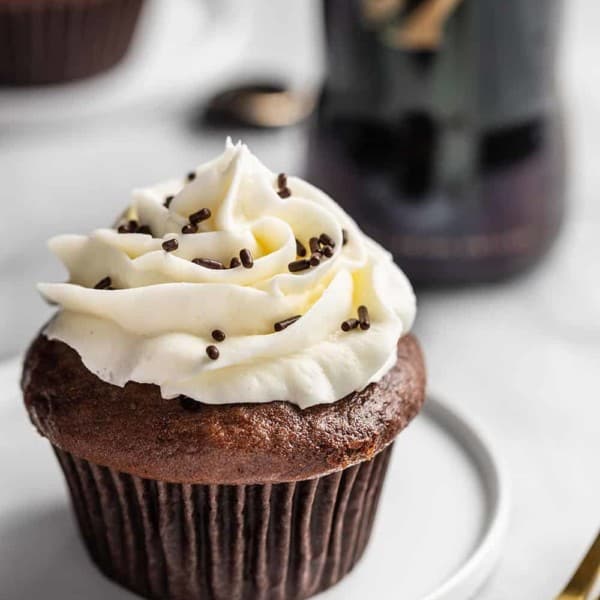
523, 357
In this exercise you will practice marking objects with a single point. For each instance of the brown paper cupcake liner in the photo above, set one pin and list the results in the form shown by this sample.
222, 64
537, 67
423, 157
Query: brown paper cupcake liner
228, 542
49, 41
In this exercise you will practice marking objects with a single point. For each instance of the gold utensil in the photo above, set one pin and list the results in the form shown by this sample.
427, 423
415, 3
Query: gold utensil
583, 579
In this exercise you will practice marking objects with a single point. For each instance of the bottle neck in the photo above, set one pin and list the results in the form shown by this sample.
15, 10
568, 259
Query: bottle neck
493, 65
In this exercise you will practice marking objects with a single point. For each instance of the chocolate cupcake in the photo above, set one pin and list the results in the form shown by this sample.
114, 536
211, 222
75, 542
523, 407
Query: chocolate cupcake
223, 383
51, 41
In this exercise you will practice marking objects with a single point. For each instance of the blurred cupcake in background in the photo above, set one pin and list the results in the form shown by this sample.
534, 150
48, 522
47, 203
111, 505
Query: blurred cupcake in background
52, 41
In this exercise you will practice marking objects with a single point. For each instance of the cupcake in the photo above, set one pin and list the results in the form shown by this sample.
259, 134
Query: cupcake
50, 41
223, 382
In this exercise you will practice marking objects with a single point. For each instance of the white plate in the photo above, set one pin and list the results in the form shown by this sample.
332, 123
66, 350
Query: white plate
181, 48
439, 532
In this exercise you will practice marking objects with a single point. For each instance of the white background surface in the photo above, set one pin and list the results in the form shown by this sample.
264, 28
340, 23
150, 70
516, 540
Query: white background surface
523, 357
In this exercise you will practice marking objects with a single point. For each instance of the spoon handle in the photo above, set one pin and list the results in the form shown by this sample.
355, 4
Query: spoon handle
584, 577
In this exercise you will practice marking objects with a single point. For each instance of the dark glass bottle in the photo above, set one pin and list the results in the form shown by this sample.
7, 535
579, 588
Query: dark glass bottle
439, 130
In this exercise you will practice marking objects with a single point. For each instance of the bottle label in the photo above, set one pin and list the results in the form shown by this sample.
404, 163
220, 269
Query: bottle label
484, 63
516, 41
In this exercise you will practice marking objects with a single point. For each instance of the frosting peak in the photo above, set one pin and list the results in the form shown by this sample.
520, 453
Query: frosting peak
136, 312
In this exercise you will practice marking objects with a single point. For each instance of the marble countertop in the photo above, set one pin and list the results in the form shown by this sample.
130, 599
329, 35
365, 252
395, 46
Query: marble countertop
523, 357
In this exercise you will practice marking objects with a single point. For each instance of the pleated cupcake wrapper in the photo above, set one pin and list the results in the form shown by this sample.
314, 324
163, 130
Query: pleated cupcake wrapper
48, 41
253, 542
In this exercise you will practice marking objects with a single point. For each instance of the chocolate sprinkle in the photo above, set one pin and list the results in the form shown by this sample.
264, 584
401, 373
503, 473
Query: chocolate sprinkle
363, 317
328, 251
299, 265
191, 176
218, 335
168, 201
281, 325
209, 263
212, 352
349, 324
281, 181
199, 216
189, 228
170, 245
300, 249
129, 227
326, 240
315, 259
314, 245
284, 193
235, 262
246, 258
344, 237
103, 284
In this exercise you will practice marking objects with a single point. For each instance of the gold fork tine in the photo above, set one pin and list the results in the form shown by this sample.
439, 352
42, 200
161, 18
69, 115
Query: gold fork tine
583, 579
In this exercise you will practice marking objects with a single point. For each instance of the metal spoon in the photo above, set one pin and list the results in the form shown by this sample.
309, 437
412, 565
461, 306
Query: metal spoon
264, 104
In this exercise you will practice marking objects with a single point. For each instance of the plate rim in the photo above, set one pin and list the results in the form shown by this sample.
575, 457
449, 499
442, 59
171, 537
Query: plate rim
468, 578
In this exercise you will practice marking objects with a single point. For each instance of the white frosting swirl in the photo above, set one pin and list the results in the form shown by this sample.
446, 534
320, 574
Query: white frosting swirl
155, 326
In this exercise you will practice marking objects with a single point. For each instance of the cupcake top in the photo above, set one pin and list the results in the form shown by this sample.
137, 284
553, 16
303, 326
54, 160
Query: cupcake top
233, 285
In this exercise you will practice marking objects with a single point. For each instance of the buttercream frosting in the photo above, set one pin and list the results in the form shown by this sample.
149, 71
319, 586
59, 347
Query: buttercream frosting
154, 322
